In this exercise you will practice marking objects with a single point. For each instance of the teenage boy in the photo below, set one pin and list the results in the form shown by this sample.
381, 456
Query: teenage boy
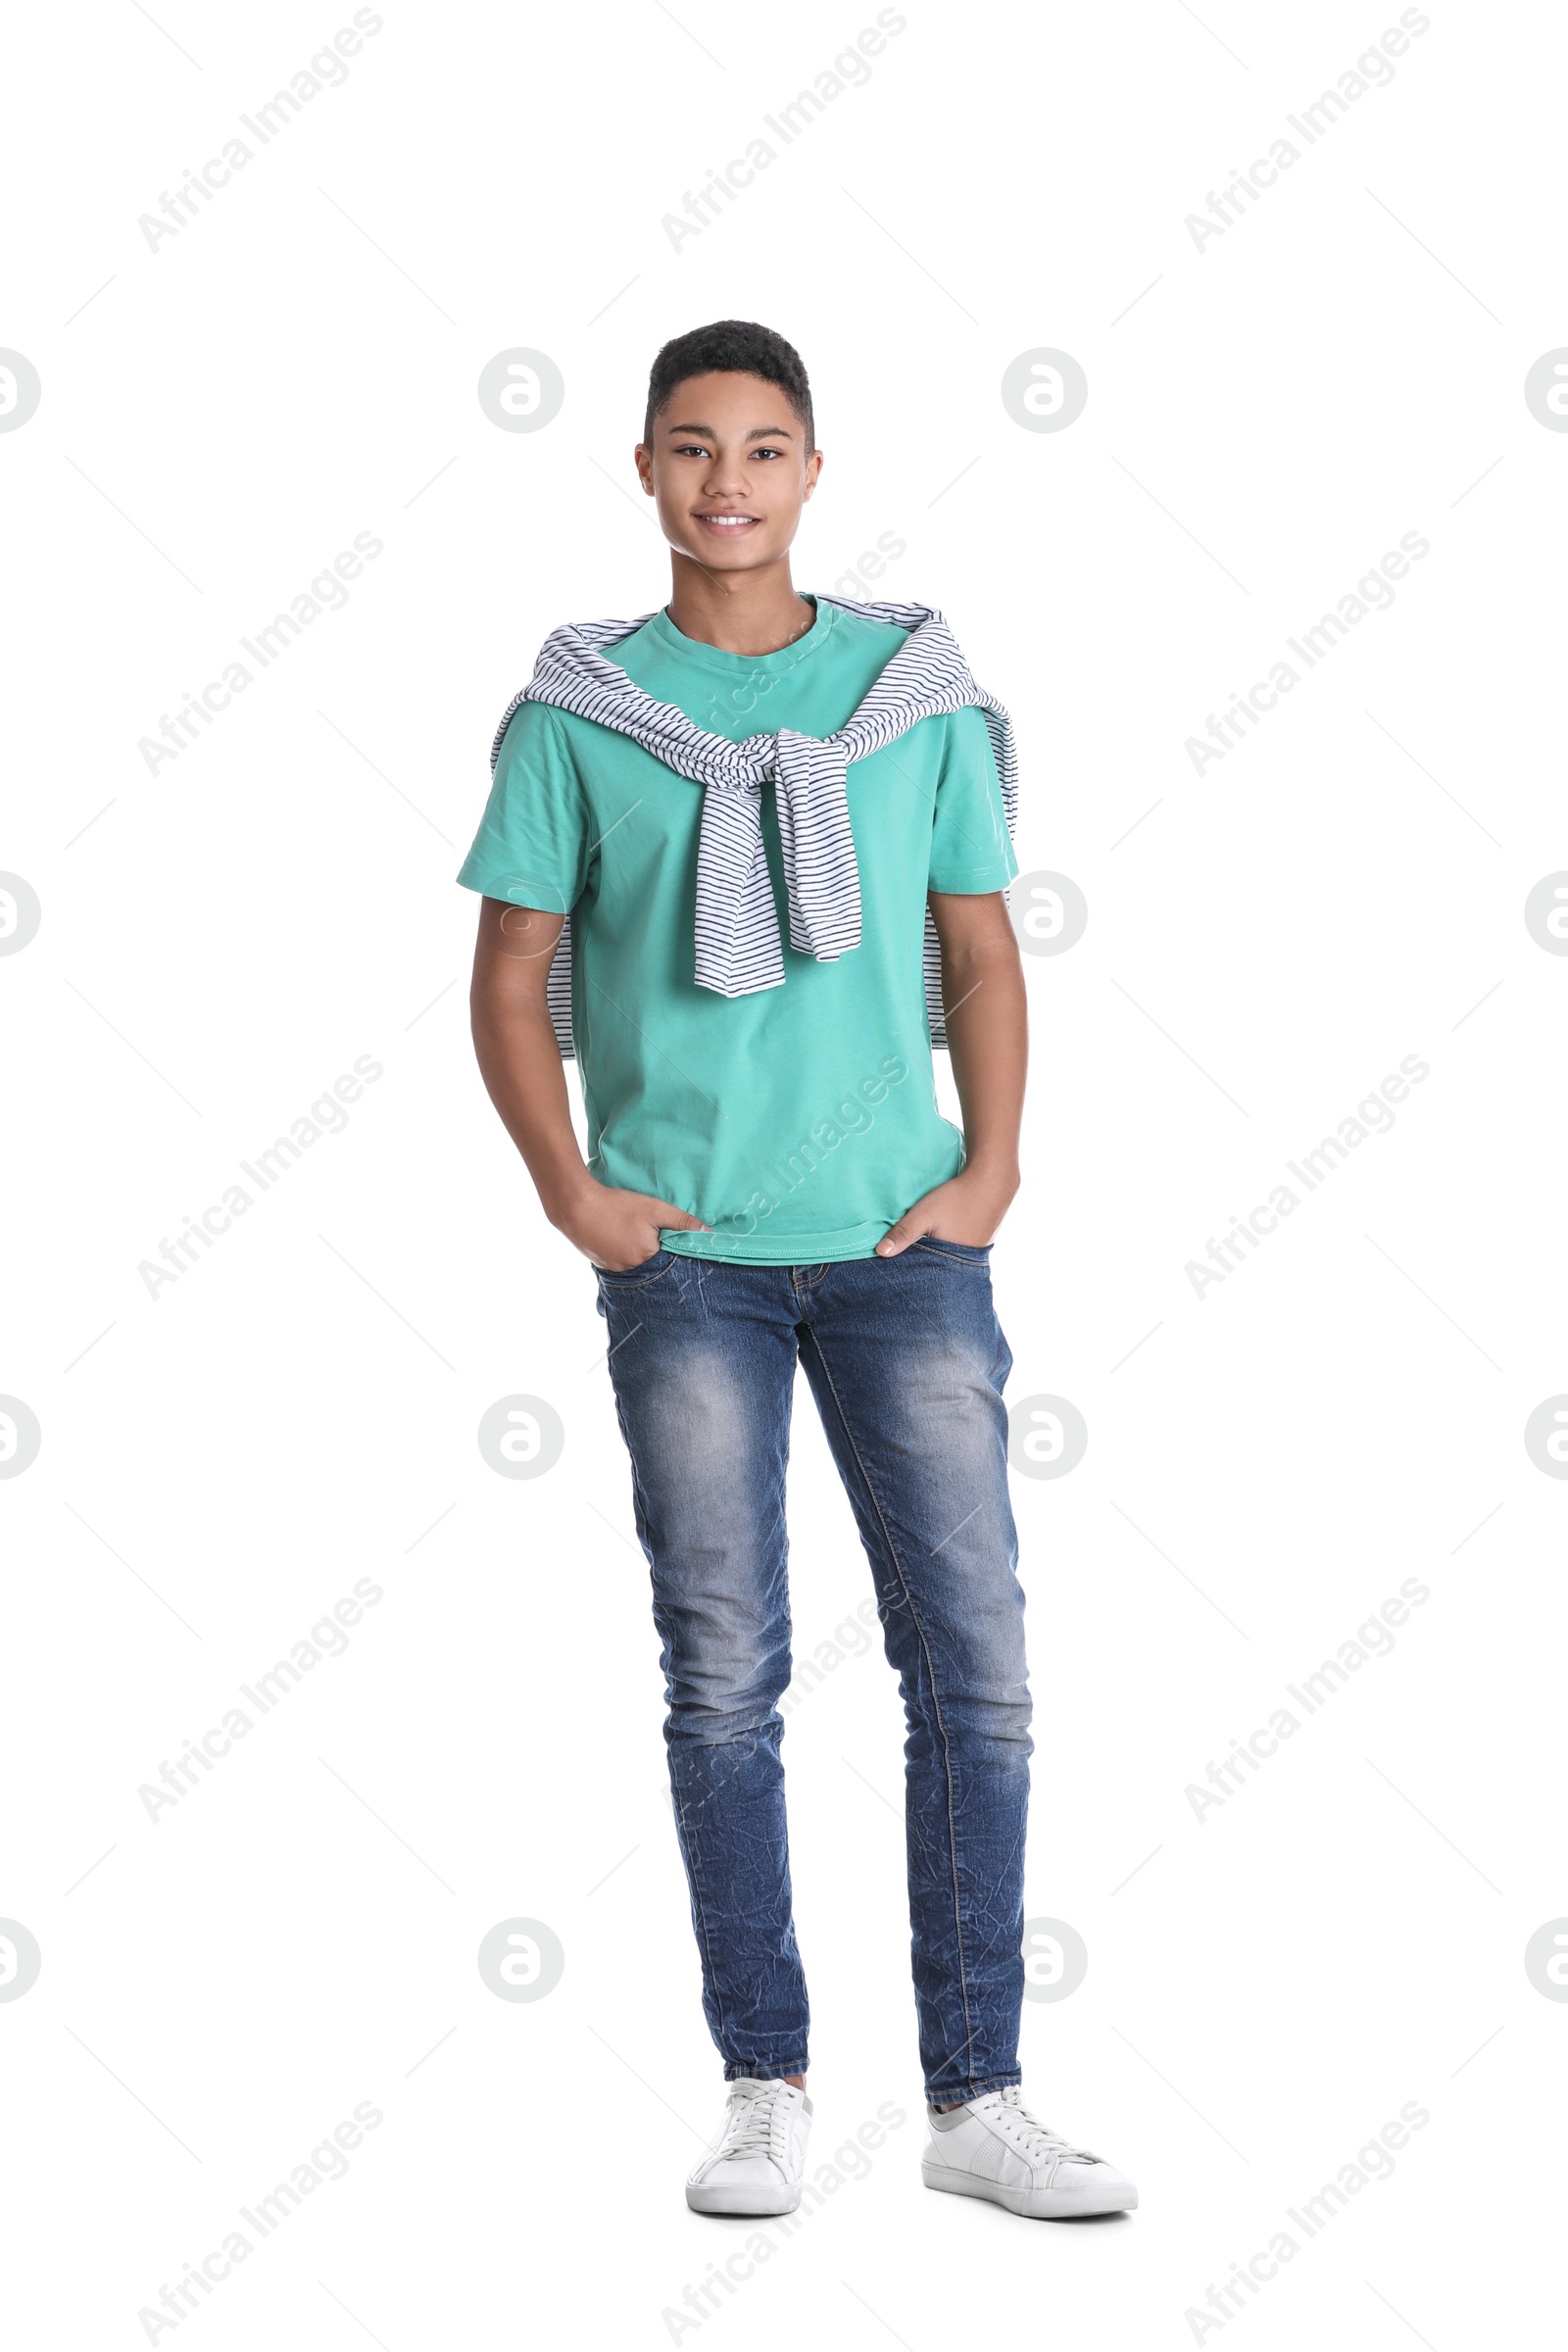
748, 804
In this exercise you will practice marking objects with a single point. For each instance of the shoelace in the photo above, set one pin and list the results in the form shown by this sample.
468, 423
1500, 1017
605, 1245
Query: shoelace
753, 2122
1033, 2139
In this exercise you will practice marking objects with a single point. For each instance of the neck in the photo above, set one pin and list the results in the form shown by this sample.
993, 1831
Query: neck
752, 612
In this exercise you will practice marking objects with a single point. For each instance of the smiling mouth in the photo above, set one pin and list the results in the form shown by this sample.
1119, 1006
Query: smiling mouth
729, 523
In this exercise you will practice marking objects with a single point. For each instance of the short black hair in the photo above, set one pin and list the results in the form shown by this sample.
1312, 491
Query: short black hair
731, 347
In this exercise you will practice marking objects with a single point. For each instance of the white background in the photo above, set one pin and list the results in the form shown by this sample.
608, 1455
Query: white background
220, 1462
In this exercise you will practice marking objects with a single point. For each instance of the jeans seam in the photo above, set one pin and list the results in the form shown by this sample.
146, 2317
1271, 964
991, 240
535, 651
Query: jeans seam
687, 1846
936, 1700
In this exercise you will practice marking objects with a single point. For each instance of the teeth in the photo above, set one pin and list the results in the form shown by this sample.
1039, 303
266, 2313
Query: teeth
729, 521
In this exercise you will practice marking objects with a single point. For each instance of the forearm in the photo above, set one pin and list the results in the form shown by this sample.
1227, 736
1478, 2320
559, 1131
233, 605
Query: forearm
519, 1061
987, 1042
525, 1079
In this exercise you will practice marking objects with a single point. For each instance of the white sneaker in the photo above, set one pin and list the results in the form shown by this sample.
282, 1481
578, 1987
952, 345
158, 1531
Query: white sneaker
993, 2148
756, 2163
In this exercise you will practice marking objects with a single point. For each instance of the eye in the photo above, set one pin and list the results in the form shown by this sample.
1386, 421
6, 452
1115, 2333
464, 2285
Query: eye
768, 453
691, 448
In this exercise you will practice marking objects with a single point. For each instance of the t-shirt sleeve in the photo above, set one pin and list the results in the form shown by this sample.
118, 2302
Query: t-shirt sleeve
534, 840
970, 850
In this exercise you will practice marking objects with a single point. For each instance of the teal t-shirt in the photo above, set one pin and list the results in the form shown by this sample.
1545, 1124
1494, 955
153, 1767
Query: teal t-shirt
800, 1122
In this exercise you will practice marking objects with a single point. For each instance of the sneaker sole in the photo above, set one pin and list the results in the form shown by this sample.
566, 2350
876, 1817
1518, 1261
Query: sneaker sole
1032, 2204
762, 2202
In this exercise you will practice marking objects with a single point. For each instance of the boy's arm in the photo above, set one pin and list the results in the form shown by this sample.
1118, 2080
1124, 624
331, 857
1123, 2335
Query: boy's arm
523, 1073
988, 1038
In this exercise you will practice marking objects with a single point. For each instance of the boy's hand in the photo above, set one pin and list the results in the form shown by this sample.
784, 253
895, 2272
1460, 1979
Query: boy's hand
620, 1230
968, 1208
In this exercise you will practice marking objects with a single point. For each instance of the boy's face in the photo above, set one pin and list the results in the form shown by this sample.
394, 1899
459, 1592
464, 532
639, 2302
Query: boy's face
728, 470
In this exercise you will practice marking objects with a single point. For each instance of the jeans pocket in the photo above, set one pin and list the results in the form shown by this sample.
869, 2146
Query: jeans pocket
649, 1270
965, 1254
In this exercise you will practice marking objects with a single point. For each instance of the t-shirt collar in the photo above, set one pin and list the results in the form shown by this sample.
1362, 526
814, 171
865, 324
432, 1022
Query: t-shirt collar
709, 658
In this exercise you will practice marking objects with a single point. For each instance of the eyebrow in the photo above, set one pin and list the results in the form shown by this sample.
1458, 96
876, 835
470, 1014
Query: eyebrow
758, 432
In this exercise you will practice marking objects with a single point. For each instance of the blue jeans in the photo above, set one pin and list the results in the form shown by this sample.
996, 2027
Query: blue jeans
906, 1362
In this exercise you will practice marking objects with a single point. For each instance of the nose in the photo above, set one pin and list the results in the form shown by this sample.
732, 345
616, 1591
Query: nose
725, 480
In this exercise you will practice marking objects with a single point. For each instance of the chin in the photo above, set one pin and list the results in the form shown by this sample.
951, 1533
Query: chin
750, 558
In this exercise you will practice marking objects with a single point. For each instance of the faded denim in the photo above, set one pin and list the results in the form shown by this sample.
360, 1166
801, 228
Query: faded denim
906, 1362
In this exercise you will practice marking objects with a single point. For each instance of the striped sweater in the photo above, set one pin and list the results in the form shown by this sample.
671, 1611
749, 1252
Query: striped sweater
738, 949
